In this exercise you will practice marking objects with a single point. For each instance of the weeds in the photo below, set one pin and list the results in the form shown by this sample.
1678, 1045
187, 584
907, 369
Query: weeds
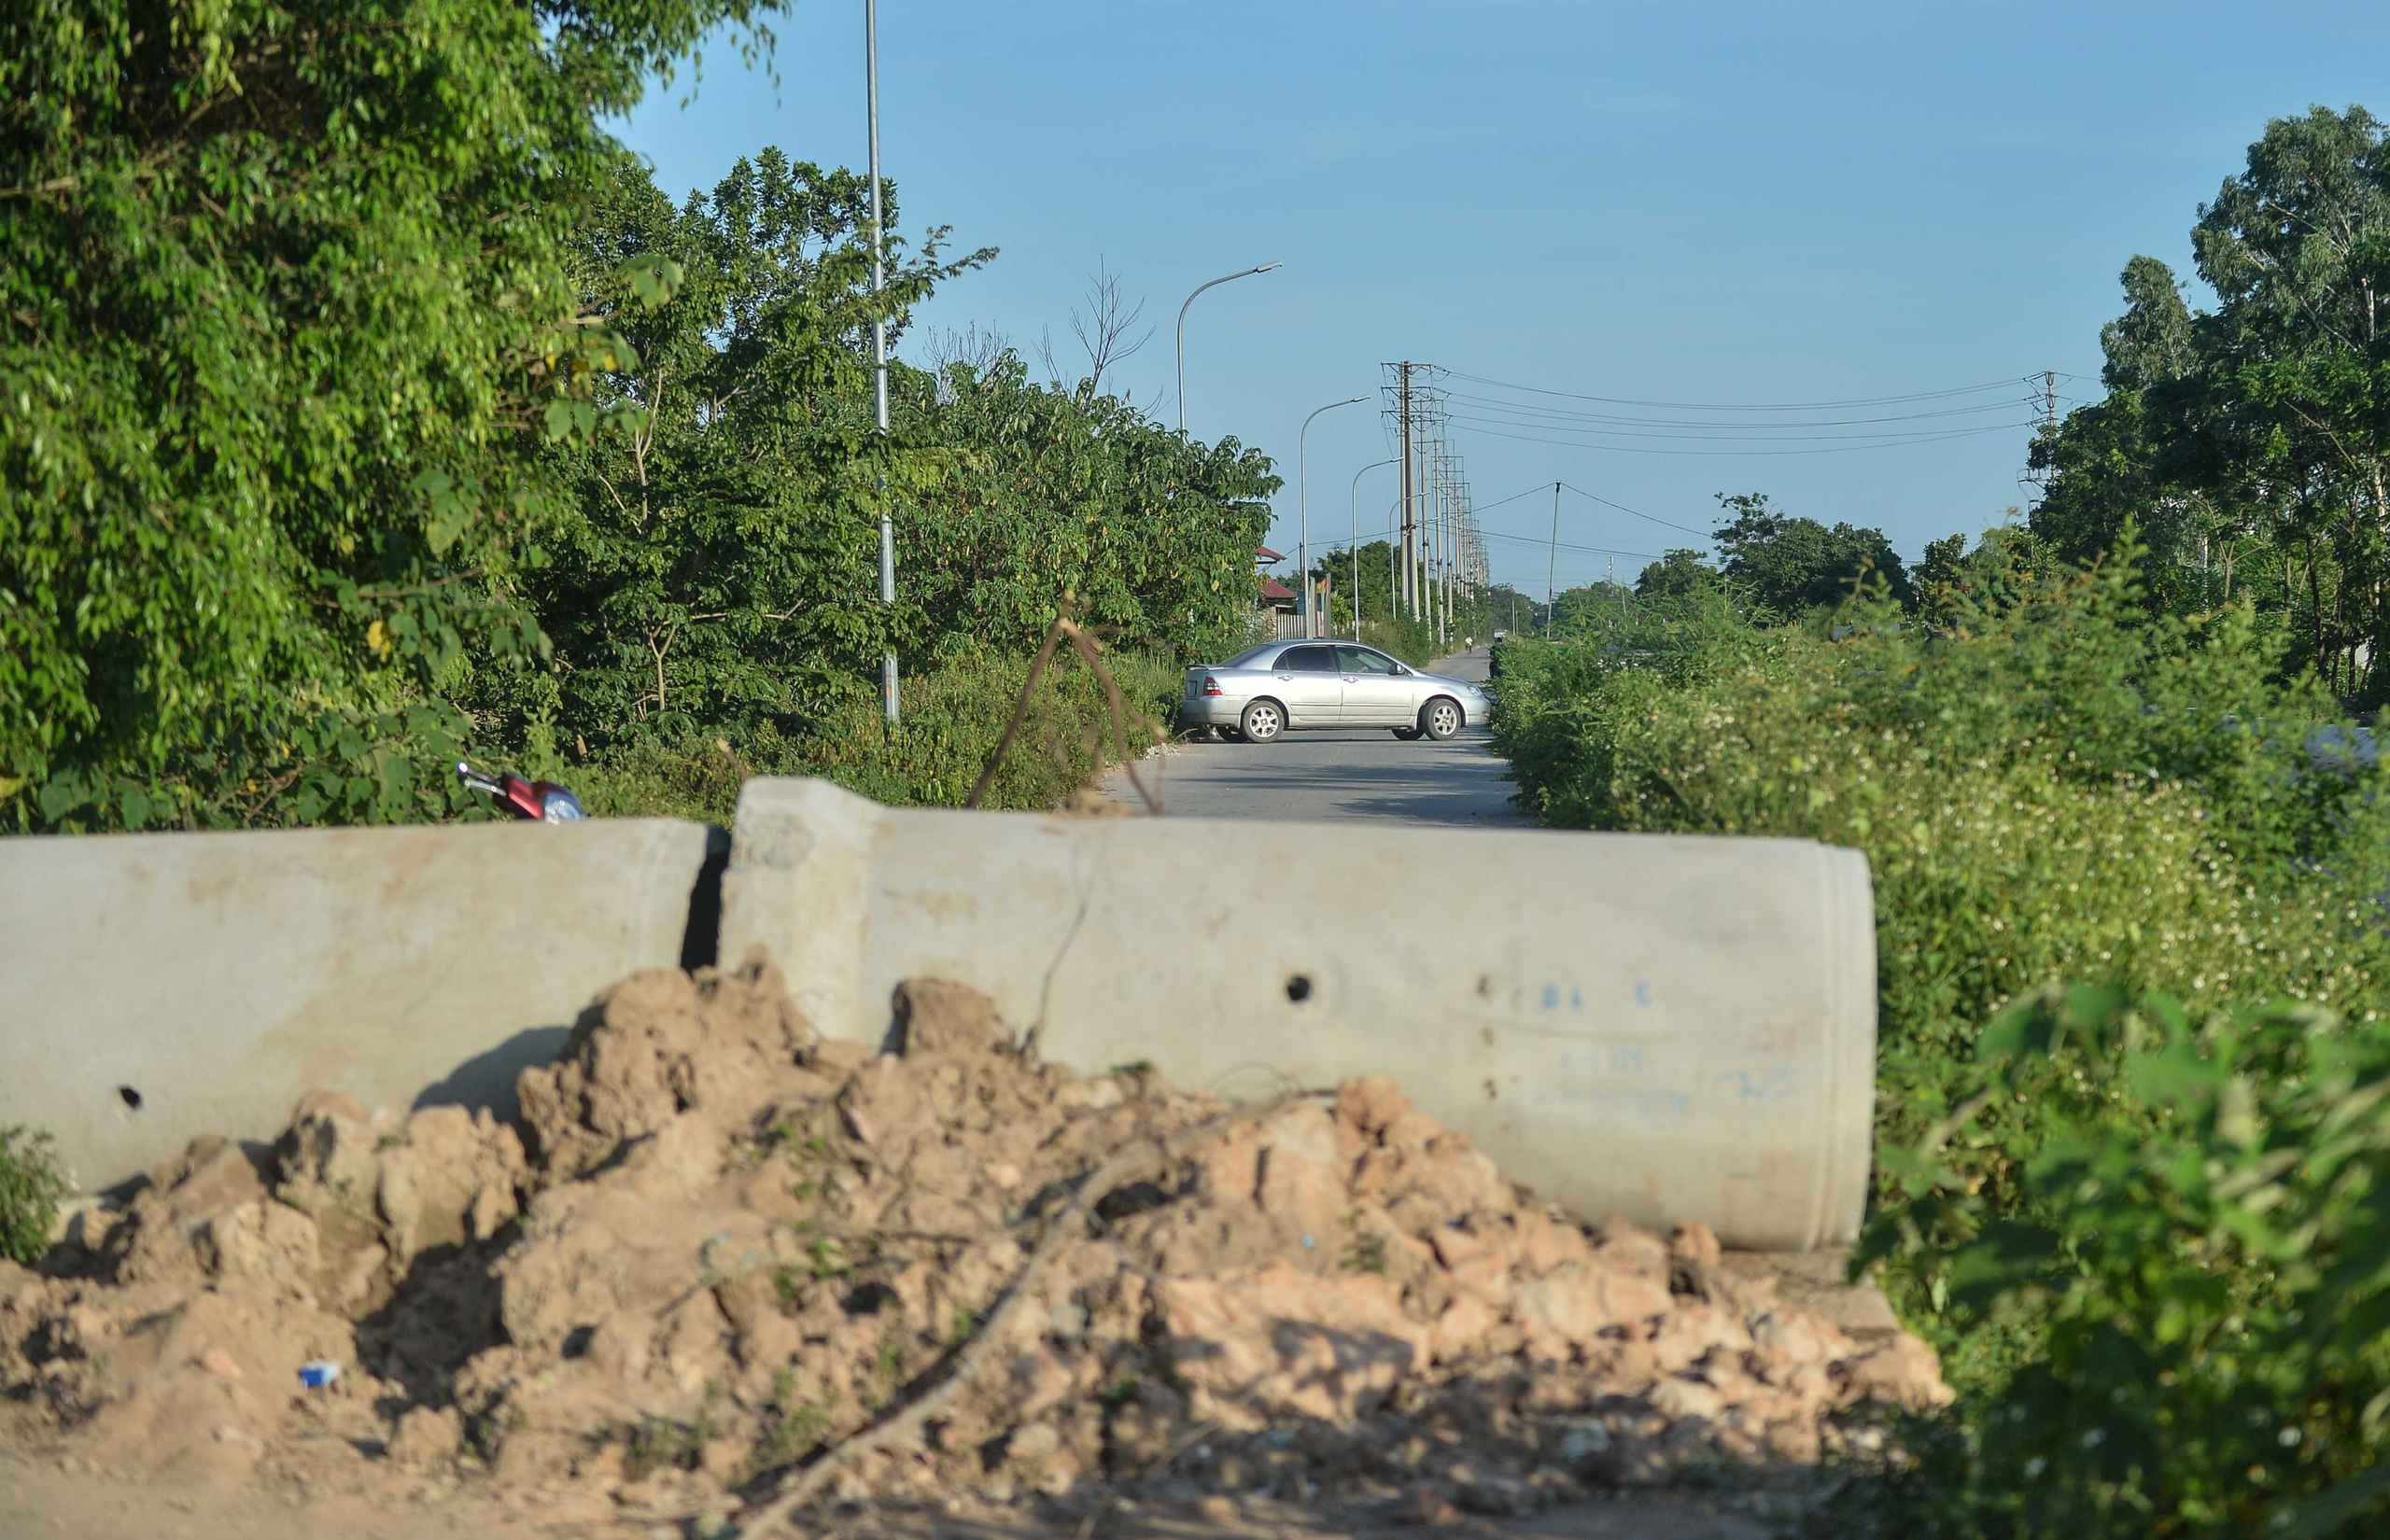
31, 1188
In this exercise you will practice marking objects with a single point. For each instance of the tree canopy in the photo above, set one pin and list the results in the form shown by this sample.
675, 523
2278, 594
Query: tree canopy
2247, 445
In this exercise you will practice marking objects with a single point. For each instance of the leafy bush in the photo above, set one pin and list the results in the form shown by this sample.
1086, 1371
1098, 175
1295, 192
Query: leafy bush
2063, 787
2199, 1251
30, 1188
288, 330
953, 718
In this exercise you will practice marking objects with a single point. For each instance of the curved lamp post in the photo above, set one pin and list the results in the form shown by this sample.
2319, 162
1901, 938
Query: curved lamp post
1182, 331
1356, 552
1302, 494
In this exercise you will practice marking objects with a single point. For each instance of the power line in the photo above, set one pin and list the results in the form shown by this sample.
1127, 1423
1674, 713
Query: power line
1624, 509
1763, 406
1515, 496
1375, 536
1596, 550
1706, 436
1831, 449
1564, 414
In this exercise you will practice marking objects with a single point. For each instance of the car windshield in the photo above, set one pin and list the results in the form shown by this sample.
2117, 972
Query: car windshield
1252, 656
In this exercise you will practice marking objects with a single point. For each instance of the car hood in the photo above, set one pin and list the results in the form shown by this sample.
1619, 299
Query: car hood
1446, 679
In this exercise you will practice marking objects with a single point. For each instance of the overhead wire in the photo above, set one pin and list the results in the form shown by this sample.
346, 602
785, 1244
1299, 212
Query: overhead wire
1750, 406
1624, 509
1566, 414
1830, 449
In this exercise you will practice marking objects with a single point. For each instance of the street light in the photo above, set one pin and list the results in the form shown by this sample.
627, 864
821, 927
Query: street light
1182, 331
879, 347
1356, 543
1302, 495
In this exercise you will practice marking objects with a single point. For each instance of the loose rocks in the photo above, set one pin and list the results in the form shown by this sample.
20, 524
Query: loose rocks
718, 1244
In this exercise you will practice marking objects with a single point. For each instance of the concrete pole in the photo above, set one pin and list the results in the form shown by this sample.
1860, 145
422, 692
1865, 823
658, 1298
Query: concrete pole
1552, 565
887, 697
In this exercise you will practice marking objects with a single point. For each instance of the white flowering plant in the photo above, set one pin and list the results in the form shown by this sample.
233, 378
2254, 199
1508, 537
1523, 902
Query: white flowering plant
2196, 1268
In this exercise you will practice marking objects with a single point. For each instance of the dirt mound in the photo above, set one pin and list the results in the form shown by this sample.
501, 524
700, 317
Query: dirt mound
720, 1246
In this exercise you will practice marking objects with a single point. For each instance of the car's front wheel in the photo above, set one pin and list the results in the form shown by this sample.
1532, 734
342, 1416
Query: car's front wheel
1439, 719
1262, 722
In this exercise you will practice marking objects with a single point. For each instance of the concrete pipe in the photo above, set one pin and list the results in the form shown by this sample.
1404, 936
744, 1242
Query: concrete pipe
1667, 1028
153, 986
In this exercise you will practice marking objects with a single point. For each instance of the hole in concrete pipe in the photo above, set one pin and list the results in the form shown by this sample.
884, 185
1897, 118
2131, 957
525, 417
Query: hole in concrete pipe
130, 1096
1299, 987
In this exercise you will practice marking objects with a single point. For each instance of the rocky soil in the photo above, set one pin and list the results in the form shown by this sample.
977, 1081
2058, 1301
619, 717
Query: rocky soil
717, 1247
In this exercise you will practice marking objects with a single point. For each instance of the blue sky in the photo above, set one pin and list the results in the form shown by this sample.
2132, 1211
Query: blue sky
1694, 203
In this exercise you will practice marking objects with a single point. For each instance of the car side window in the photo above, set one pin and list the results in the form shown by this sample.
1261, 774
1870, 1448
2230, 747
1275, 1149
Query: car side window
1307, 660
1360, 660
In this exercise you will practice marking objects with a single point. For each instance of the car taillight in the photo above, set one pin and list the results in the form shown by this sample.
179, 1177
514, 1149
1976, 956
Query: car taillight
1211, 685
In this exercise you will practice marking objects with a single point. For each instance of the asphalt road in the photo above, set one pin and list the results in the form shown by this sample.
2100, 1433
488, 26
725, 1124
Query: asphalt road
1363, 773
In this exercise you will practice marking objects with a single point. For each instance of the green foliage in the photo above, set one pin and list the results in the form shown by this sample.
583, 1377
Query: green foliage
2061, 786
716, 567
1790, 565
2198, 1255
2147, 1240
282, 326
30, 1186
953, 716
2249, 446
1044, 491
1679, 574
362, 401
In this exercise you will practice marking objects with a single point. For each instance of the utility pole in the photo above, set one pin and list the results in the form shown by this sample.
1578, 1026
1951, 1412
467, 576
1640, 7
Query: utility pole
1551, 563
2039, 481
1402, 541
879, 349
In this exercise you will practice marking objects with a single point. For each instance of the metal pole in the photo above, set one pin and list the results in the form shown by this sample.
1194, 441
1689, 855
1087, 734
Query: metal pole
1182, 331
1553, 566
1303, 498
1356, 543
880, 346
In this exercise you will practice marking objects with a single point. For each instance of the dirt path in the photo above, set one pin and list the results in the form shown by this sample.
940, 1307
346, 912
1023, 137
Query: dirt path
37, 1499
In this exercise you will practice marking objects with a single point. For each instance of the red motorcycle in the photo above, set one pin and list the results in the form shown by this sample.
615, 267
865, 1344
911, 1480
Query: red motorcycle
539, 801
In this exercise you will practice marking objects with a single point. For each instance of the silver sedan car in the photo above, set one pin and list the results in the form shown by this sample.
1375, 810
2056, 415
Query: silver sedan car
1267, 689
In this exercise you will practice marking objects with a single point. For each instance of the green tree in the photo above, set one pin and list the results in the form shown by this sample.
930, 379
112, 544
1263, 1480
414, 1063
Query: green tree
1041, 489
2249, 447
1677, 574
285, 323
718, 560
2151, 342
1791, 566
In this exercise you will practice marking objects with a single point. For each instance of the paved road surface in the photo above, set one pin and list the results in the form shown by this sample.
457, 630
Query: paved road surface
1363, 773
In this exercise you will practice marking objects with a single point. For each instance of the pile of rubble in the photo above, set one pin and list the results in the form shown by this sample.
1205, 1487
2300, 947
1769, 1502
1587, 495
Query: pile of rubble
718, 1246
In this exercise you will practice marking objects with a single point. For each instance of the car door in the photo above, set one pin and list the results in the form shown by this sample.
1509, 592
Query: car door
1309, 686
1376, 693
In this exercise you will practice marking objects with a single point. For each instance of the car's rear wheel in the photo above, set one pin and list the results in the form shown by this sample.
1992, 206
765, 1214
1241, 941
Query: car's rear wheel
1439, 719
1406, 733
1262, 722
